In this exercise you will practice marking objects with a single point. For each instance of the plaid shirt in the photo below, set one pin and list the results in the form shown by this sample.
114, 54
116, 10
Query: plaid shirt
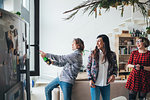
139, 80
139, 58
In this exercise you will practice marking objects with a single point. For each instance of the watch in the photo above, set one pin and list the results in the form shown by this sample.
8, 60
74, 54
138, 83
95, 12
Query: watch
141, 67
135, 66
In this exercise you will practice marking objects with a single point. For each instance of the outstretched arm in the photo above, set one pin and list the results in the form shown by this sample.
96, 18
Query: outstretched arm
48, 61
60, 60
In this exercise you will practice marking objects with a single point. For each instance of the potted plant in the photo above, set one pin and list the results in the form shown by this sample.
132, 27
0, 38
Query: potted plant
148, 30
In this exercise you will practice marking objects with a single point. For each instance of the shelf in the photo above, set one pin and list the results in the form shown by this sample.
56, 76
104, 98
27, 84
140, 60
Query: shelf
122, 45
123, 63
132, 45
124, 73
124, 54
125, 44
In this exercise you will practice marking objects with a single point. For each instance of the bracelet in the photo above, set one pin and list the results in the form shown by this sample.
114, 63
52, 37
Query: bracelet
135, 66
141, 67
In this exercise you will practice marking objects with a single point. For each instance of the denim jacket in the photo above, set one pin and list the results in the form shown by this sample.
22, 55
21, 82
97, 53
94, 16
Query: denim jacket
93, 67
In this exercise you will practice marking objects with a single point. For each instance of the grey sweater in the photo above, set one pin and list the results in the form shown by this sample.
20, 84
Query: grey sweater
71, 63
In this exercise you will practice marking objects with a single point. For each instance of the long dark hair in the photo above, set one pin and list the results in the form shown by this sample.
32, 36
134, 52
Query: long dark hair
107, 53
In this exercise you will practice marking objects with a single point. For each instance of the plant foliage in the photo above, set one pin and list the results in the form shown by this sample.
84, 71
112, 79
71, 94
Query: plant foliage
93, 5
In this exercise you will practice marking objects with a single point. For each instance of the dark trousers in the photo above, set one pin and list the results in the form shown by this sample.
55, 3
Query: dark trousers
133, 94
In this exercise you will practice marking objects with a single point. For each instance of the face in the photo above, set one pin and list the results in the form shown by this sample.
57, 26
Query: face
139, 44
74, 45
100, 43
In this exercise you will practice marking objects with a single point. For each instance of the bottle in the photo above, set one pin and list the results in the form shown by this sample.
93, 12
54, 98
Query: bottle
48, 61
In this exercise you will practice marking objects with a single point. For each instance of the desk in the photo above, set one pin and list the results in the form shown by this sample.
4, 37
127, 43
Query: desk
82, 76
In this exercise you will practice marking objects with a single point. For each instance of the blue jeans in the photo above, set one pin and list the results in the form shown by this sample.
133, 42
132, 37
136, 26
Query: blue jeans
104, 90
66, 89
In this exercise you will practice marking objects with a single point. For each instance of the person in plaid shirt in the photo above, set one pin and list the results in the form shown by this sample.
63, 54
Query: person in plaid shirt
139, 78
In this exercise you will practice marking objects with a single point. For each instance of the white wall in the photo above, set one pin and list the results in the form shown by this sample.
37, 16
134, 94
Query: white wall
56, 34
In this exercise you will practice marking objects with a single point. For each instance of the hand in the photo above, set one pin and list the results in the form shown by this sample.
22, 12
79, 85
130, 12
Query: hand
111, 78
49, 61
24, 57
92, 84
43, 54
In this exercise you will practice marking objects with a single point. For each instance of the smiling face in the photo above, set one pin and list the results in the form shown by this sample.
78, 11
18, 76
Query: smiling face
100, 43
139, 44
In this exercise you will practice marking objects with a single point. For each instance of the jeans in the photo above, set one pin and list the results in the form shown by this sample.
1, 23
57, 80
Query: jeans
133, 95
66, 89
104, 90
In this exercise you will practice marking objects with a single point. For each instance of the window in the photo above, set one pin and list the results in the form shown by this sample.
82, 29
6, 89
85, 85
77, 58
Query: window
26, 4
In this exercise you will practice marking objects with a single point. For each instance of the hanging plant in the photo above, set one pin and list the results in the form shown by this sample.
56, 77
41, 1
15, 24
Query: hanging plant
93, 5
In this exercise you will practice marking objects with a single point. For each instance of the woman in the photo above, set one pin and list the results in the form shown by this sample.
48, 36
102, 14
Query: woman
139, 78
71, 64
101, 68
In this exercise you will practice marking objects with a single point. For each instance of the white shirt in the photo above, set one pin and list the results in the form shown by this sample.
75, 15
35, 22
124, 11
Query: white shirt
102, 74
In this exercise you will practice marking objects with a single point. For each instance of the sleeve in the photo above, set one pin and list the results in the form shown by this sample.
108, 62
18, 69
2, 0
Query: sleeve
61, 60
115, 67
89, 67
130, 61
